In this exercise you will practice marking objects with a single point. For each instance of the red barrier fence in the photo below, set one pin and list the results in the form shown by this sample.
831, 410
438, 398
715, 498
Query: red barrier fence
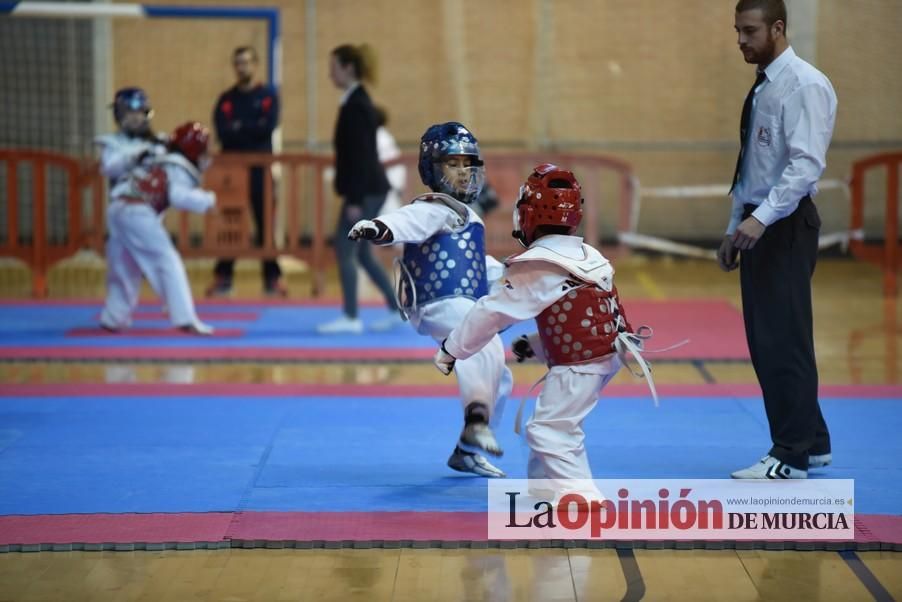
887, 253
309, 208
300, 183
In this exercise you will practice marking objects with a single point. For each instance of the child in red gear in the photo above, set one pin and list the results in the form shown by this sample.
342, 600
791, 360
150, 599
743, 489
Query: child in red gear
568, 287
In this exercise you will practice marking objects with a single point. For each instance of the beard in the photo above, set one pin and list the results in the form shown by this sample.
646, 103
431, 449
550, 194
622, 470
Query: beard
765, 55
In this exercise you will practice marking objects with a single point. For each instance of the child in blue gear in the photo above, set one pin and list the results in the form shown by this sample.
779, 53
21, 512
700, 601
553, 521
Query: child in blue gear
135, 141
139, 244
444, 271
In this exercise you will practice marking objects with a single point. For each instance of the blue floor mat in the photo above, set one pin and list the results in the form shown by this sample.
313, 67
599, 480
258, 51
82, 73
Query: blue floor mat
275, 327
204, 453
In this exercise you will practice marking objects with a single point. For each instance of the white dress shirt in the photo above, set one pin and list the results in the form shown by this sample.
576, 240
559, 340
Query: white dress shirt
388, 150
347, 93
793, 113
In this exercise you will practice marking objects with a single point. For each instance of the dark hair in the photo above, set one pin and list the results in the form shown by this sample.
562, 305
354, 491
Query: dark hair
362, 58
242, 49
773, 10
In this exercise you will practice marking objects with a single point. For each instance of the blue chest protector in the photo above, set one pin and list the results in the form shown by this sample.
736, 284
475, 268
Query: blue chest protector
446, 265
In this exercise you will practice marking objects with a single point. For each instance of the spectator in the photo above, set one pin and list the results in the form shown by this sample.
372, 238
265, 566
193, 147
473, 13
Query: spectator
245, 116
361, 182
388, 150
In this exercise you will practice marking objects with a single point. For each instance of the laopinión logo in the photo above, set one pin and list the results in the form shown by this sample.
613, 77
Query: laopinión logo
671, 509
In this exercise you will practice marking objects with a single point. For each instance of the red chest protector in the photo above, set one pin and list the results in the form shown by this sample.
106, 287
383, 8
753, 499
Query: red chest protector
149, 185
581, 326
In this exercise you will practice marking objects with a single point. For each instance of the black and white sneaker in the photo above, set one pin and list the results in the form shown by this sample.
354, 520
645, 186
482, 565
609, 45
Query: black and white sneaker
820, 460
464, 461
770, 468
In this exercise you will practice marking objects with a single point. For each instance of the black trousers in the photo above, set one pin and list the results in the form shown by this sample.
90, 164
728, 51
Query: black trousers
225, 268
775, 277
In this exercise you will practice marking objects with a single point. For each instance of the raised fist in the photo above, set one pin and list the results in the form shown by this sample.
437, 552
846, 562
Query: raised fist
367, 230
143, 154
522, 349
444, 361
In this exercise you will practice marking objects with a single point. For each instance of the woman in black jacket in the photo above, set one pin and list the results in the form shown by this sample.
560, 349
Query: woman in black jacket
360, 181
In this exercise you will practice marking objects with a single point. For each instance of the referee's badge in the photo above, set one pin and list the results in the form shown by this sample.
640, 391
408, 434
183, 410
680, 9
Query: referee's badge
764, 137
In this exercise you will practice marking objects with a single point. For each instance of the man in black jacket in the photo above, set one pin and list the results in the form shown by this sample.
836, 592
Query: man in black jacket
245, 116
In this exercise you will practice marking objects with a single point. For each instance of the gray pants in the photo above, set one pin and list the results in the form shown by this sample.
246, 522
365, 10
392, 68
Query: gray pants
350, 253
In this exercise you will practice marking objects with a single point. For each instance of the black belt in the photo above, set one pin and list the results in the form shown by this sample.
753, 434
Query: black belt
749, 208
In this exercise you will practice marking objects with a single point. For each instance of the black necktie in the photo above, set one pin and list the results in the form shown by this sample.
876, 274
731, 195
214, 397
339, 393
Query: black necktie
744, 125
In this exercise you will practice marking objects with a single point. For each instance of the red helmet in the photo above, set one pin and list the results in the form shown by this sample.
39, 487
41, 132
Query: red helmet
550, 197
191, 139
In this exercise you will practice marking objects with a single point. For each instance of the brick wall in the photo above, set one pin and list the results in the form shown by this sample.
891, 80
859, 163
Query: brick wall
658, 82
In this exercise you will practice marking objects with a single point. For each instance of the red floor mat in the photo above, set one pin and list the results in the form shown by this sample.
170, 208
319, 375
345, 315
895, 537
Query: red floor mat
318, 529
149, 332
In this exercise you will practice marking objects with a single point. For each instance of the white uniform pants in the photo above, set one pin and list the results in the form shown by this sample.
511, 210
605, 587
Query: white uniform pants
483, 377
139, 245
555, 431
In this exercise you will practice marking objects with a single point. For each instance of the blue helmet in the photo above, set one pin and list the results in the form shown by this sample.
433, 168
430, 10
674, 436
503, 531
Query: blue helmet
440, 142
130, 99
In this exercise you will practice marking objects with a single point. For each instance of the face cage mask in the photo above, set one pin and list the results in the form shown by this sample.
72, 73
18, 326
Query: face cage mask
518, 230
466, 188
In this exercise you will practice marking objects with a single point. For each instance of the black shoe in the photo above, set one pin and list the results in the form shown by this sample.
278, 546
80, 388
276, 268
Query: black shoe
275, 288
219, 288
